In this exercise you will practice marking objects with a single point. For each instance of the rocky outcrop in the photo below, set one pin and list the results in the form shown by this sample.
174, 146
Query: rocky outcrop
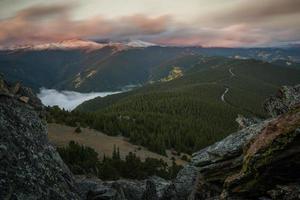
245, 122
287, 98
286, 192
94, 189
30, 168
271, 158
260, 161
183, 185
23, 94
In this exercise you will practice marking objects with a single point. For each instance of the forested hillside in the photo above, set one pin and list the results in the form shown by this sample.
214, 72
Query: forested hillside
194, 110
49, 68
113, 67
105, 69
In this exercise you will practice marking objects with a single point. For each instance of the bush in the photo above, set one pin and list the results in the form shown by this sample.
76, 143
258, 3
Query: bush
184, 157
78, 130
79, 158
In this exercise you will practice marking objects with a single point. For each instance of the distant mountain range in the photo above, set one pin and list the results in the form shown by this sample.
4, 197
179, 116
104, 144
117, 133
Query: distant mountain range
79, 44
85, 66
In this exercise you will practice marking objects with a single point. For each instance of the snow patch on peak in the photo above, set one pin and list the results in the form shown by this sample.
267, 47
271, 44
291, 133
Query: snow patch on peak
81, 44
61, 45
139, 43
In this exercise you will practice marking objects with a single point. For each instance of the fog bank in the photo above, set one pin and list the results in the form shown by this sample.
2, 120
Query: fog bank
68, 99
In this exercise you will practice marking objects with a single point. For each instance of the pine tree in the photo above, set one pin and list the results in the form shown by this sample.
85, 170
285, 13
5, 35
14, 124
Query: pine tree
118, 154
115, 154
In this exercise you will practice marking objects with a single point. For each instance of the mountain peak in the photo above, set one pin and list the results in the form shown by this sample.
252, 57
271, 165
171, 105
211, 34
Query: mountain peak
61, 45
72, 44
139, 43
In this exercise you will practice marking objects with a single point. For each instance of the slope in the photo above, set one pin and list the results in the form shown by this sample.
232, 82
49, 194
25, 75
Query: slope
188, 113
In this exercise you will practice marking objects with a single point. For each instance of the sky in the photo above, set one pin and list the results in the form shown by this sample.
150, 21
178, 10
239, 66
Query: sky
222, 23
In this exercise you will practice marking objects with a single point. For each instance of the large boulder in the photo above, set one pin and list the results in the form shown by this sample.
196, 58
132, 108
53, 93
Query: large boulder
30, 168
244, 122
222, 159
286, 99
270, 159
259, 161
152, 188
183, 185
286, 192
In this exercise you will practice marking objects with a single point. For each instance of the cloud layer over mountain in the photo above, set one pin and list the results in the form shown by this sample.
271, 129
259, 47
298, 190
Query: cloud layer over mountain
214, 23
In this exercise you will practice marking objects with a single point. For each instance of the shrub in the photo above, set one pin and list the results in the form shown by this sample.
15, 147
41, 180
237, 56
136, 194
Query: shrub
78, 130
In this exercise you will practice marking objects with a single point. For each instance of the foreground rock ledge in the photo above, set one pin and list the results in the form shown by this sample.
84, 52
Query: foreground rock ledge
261, 161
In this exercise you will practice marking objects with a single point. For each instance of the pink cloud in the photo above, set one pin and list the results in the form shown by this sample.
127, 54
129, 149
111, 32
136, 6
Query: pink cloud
51, 23
237, 26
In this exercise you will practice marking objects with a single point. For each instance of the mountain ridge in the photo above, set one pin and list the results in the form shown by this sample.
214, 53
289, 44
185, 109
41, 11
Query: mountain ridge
112, 67
72, 44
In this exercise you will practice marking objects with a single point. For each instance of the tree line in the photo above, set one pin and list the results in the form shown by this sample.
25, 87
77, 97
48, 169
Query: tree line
84, 160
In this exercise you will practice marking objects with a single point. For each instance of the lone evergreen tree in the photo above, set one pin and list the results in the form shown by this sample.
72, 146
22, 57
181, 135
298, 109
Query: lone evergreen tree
118, 154
115, 154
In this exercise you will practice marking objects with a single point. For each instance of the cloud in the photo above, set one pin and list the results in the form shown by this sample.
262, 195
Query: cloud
255, 11
68, 99
229, 36
51, 23
39, 12
255, 22
236, 23
264, 9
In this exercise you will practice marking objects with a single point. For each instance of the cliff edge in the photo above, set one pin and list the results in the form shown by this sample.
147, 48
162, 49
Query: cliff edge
30, 168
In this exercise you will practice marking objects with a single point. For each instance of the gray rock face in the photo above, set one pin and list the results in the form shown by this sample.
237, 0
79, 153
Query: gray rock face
245, 122
161, 185
183, 185
211, 165
150, 189
286, 99
230, 147
30, 168
131, 189
150, 193
286, 192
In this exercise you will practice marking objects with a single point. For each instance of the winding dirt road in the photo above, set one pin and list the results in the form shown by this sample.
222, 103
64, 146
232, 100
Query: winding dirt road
223, 95
227, 88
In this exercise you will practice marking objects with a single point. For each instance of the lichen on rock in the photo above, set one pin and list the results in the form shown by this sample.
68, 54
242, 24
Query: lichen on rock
30, 168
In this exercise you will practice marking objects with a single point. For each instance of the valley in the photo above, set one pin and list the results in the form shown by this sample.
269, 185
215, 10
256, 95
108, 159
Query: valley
187, 97
188, 112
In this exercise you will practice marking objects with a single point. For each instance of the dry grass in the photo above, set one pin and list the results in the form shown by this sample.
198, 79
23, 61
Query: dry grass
61, 135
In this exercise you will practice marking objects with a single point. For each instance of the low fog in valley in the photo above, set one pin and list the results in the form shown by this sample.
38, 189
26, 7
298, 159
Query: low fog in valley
68, 99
